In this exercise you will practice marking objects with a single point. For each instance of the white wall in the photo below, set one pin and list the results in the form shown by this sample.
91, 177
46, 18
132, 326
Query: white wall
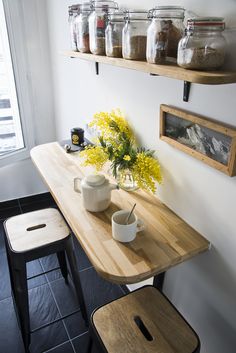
21, 179
204, 289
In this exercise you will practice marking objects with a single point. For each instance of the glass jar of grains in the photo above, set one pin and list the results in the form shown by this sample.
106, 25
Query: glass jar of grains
164, 33
82, 27
134, 35
97, 25
114, 34
203, 47
73, 11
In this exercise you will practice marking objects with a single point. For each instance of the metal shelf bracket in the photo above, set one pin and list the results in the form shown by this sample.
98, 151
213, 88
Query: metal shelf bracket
187, 86
97, 68
186, 92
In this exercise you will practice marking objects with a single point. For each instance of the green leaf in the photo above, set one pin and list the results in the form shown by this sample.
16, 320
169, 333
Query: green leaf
113, 125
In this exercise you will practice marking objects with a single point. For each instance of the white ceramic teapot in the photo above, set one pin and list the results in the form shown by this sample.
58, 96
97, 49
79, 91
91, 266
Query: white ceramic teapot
96, 191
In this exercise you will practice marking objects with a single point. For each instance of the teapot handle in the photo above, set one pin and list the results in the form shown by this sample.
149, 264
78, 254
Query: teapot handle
77, 181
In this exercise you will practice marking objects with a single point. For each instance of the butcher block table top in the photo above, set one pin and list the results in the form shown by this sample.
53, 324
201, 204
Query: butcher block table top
166, 241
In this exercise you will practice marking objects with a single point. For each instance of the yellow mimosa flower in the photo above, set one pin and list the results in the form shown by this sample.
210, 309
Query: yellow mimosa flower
116, 142
126, 158
96, 156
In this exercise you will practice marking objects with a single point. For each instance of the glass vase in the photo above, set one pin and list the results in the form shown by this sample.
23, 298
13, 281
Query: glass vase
126, 180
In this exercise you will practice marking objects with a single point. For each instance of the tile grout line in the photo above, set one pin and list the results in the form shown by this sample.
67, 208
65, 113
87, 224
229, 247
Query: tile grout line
61, 317
59, 311
35, 198
73, 347
27, 203
47, 281
84, 333
87, 268
59, 345
9, 208
21, 211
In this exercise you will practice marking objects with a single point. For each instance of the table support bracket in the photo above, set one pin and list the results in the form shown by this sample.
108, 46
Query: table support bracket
158, 281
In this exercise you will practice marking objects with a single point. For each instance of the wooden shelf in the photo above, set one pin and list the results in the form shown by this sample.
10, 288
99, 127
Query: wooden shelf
167, 70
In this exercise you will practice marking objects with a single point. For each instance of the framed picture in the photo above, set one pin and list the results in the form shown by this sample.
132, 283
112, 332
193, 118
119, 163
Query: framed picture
209, 141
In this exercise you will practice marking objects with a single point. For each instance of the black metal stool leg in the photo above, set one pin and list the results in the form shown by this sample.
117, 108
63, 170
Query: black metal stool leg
13, 281
13, 288
90, 345
20, 278
16, 300
62, 262
76, 278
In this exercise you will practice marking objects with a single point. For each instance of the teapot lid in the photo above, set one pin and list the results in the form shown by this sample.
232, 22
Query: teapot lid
95, 179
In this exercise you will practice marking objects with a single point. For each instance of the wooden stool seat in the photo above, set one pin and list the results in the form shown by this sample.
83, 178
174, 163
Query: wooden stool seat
143, 321
34, 229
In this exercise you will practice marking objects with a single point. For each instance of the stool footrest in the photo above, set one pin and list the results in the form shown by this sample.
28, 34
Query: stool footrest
54, 321
43, 273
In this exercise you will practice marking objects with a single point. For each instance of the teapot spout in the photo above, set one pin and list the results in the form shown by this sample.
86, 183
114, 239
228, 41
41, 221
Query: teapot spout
113, 186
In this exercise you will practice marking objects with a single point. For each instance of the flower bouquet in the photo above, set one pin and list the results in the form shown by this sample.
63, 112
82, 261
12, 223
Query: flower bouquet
133, 166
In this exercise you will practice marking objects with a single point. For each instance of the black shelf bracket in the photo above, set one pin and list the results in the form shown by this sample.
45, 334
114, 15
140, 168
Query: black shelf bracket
187, 86
186, 92
97, 68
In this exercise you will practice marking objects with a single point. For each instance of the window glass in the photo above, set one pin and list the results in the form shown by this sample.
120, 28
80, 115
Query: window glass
11, 135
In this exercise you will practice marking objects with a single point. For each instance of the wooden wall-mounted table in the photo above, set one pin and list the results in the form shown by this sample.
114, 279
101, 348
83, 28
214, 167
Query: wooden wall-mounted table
166, 241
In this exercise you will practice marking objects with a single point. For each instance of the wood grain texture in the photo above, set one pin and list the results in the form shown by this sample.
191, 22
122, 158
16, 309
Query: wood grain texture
166, 241
34, 229
168, 70
230, 168
115, 325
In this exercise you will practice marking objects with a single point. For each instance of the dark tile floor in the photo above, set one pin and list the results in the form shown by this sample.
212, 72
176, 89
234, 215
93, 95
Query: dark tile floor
49, 297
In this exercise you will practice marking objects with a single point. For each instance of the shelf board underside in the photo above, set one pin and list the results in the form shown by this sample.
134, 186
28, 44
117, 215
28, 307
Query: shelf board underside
167, 70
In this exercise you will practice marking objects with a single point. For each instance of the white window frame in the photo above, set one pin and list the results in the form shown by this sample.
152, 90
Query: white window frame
16, 32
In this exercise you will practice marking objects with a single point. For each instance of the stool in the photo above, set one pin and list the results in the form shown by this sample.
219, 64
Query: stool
28, 237
143, 321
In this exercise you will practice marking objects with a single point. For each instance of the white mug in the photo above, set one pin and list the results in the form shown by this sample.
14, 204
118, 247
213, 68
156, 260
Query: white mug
125, 232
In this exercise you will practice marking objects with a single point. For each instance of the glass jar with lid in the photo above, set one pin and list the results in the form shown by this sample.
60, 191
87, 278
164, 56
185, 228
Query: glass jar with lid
113, 34
134, 36
164, 33
73, 11
98, 23
204, 46
82, 27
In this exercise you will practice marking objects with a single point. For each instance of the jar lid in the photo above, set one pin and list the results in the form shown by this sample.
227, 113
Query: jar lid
95, 179
206, 23
74, 8
104, 5
86, 7
116, 16
168, 12
136, 15
77, 129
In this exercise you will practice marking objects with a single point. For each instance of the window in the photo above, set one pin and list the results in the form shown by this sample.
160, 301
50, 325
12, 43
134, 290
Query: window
15, 126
